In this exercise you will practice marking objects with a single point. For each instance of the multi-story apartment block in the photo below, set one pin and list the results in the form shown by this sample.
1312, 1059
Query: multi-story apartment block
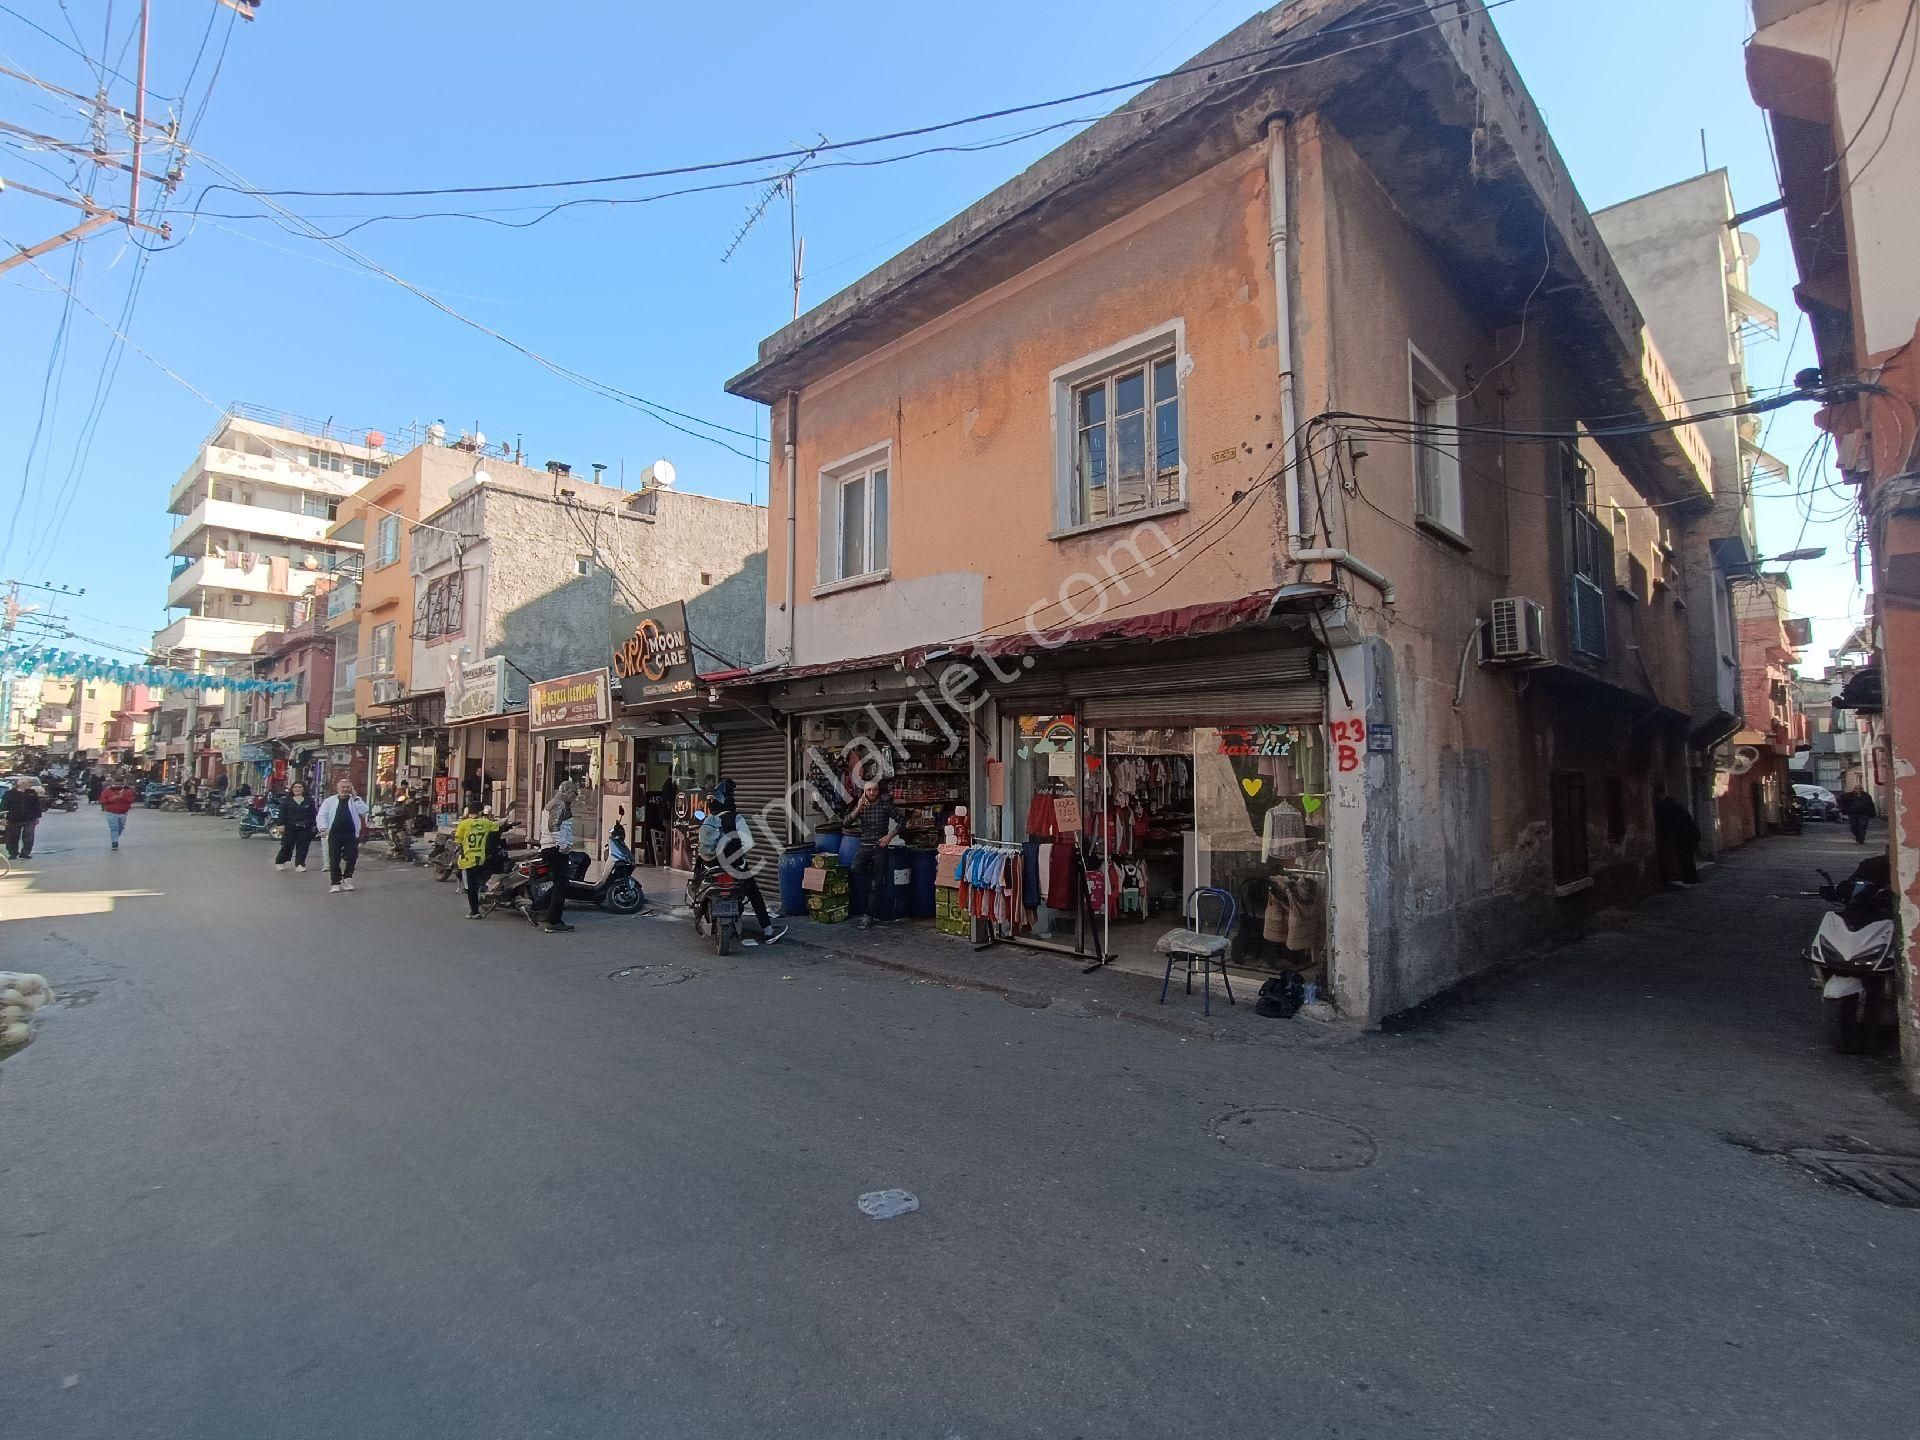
1754, 797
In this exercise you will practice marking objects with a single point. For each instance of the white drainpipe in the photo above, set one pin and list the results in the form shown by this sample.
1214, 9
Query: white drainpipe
1299, 547
793, 500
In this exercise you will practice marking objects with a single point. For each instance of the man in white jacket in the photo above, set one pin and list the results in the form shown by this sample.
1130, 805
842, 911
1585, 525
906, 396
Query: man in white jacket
342, 820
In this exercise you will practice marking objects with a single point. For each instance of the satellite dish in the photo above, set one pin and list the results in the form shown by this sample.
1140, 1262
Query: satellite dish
436, 434
660, 472
479, 439
1744, 759
479, 477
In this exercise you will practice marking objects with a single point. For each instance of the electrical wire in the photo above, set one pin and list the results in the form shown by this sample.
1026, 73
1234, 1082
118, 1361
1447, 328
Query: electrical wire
81, 52
1419, 9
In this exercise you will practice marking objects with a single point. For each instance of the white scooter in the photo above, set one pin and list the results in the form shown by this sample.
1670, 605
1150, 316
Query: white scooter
1853, 956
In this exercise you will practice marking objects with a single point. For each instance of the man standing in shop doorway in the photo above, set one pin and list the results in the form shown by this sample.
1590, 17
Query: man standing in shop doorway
556, 843
879, 823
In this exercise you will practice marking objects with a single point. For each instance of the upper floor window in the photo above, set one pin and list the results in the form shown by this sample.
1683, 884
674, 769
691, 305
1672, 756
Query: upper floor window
1120, 442
583, 564
386, 541
380, 658
854, 503
324, 460
319, 507
366, 469
1434, 408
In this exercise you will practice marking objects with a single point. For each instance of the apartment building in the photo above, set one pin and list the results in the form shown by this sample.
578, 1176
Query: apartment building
250, 538
1754, 799
1260, 486
1848, 150
1688, 265
525, 576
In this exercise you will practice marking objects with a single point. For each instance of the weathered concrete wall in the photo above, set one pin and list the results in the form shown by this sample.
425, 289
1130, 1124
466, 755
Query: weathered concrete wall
526, 600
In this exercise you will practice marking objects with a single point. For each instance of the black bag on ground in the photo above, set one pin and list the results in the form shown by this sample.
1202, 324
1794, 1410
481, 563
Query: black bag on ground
1281, 997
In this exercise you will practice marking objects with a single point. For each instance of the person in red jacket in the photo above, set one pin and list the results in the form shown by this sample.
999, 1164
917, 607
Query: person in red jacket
116, 799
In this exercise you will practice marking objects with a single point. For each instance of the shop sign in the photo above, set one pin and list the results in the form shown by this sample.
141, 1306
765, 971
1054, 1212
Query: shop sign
570, 700
476, 690
255, 754
226, 743
340, 729
288, 721
655, 662
1249, 741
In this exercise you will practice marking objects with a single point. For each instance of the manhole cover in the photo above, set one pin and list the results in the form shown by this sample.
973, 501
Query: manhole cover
1295, 1139
1890, 1179
654, 975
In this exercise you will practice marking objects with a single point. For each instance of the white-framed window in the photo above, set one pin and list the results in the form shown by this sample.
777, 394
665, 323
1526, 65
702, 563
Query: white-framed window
324, 460
386, 541
1120, 438
855, 497
366, 469
583, 564
319, 507
380, 660
1434, 408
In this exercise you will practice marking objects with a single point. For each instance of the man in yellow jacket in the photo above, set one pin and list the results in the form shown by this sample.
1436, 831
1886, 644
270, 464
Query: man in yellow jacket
470, 838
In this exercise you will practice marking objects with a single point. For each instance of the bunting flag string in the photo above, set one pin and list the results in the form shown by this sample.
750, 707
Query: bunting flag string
65, 665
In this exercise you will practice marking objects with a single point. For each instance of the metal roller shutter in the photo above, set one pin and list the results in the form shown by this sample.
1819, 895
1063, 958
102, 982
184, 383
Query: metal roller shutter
756, 761
1273, 686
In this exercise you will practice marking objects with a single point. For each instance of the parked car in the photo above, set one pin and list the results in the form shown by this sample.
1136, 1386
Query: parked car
1817, 802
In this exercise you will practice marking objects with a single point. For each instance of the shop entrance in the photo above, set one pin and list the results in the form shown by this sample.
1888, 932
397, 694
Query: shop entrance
674, 772
1120, 822
575, 757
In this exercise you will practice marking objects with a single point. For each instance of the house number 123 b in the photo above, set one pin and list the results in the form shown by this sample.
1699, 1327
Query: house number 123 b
1349, 739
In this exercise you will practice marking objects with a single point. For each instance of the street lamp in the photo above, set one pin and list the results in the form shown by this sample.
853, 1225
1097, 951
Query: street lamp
1811, 552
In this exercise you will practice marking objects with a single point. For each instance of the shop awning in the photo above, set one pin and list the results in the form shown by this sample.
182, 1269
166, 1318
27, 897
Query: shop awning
1213, 617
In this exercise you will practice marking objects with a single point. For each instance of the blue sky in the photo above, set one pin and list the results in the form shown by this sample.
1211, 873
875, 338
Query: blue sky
360, 95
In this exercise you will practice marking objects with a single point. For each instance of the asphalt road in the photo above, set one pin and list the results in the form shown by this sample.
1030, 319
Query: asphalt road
286, 1164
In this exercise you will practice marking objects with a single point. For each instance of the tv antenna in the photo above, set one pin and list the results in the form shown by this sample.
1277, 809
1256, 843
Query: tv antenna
783, 186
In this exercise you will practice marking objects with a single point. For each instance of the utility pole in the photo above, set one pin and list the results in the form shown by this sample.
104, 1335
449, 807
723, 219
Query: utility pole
97, 217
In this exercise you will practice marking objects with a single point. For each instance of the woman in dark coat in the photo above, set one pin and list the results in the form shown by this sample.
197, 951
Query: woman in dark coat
296, 832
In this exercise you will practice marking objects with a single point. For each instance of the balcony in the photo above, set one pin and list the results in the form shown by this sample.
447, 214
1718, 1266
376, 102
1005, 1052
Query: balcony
211, 634
189, 536
221, 463
207, 572
343, 605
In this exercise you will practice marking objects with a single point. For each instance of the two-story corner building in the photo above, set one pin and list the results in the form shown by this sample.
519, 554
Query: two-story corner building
525, 576
1687, 264
392, 730
1256, 493
1821, 71
1756, 792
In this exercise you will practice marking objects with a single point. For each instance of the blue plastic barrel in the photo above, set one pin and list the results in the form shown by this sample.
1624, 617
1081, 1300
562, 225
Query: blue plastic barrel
849, 848
826, 842
926, 865
793, 867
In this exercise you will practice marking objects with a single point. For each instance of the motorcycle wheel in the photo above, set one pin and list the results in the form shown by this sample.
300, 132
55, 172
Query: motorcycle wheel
1843, 1019
442, 872
728, 932
626, 897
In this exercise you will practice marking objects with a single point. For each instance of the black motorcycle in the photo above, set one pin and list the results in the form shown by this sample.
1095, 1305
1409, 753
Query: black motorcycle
618, 890
263, 821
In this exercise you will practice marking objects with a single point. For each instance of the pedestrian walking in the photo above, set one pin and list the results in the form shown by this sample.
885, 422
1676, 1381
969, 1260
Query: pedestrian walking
22, 813
470, 846
342, 818
96, 783
556, 843
879, 823
1676, 836
1859, 809
298, 820
116, 799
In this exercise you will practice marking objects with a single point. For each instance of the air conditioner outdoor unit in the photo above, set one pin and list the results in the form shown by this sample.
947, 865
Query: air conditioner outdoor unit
386, 692
1516, 632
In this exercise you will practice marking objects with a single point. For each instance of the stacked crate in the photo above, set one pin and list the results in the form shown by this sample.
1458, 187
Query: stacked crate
948, 916
829, 890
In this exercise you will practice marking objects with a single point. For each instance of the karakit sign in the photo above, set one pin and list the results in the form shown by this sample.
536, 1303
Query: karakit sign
655, 662
570, 700
476, 690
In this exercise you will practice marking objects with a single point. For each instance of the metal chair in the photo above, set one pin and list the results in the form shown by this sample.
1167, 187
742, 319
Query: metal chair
1201, 946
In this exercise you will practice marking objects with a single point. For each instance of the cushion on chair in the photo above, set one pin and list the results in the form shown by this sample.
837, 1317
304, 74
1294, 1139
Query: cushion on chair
1192, 942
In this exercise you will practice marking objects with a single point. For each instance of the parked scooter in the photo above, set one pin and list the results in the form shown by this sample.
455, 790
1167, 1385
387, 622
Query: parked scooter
1853, 956
262, 821
442, 856
617, 890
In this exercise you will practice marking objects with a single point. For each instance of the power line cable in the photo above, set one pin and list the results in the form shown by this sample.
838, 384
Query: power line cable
1417, 10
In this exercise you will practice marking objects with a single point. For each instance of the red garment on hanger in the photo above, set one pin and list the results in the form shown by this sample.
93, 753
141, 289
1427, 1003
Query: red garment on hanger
1060, 878
1041, 824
